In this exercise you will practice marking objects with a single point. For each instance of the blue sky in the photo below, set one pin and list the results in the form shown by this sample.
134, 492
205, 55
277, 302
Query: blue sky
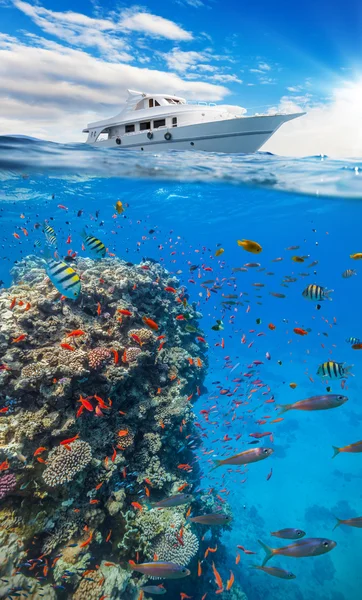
66, 62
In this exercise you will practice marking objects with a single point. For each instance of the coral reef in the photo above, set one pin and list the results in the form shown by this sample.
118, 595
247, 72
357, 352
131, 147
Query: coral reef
7, 484
96, 425
64, 463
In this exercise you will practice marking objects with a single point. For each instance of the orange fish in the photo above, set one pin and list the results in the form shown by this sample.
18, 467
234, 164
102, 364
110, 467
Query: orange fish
75, 333
230, 581
183, 596
137, 505
67, 347
41, 460
109, 535
237, 559
218, 579
4, 410
87, 542
69, 440
19, 339
123, 432
198, 362
99, 485
115, 354
39, 450
161, 346
150, 323
20, 303
182, 487
86, 404
114, 454
99, 309
300, 331
170, 289
4, 465
12, 304
199, 570
136, 338
271, 326
124, 356
93, 501
125, 312
16, 236
28, 306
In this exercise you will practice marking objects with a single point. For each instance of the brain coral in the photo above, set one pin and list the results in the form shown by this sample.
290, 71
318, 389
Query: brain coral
64, 464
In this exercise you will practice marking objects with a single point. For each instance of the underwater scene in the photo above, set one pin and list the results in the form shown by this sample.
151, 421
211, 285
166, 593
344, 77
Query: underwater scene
180, 375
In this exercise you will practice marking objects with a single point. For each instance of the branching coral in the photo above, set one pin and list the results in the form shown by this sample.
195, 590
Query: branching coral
97, 357
64, 464
168, 547
7, 484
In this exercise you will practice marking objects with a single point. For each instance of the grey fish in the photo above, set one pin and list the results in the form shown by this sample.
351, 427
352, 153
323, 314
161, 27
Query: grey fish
245, 458
160, 569
211, 519
289, 533
315, 403
275, 572
300, 549
354, 522
153, 589
176, 500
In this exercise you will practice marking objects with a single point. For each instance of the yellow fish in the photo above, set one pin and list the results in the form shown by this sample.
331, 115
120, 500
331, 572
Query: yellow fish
298, 259
356, 256
250, 246
219, 251
119, 207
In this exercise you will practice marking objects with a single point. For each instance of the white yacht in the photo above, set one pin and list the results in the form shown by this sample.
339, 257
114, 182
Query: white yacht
159, 122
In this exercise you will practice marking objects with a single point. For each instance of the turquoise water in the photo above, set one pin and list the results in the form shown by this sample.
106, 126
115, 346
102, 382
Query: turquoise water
192, 205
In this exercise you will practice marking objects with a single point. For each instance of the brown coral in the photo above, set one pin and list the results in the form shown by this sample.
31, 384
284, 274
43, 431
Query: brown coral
64, 464
97, 356
145, 335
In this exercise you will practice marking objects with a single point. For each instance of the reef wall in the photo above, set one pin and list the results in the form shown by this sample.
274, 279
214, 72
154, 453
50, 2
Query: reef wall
74, 511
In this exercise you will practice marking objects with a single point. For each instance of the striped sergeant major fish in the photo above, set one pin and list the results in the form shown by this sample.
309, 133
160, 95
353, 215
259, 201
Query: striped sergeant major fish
353, 340
316, 293
96, 248
63, 277
333, 370
349, 273
50, 234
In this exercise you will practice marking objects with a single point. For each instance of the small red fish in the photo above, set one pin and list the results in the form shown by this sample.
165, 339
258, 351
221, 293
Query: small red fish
99, 309
124, 312
19, 339
27, 307
300, 331
41, 460
180, 318
115, 354
62, 206
123, 432
94, 501
170, 289
4, 409
4, 465
136, 338
201, 339
69, 440
86, 404
150, 323
12, 304
16, 236
137, 505
75, 333
39, 450
67, 347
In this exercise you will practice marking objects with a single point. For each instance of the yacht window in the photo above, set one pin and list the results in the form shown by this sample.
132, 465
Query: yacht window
150, 103
129, 129
159, 123
170, 101
145, 125
174, 121
157, 103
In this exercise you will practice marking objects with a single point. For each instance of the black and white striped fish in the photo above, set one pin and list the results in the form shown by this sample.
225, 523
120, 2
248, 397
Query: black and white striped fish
333, 370
50, 234
63, 277
353, 340
349, 273
316, 293
94, 246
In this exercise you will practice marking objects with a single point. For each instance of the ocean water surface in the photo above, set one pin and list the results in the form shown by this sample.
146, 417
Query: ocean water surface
261, 343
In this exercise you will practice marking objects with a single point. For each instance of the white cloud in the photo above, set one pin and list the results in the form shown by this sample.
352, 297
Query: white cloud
181, 61
109, 36
52, 91
143, 22
264, 66
331, 128
224, 78
296, 88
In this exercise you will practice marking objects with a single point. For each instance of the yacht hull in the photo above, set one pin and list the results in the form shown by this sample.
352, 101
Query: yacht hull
239, 135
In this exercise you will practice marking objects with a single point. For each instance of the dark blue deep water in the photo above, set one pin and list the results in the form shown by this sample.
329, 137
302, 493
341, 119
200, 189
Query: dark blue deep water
196, 204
